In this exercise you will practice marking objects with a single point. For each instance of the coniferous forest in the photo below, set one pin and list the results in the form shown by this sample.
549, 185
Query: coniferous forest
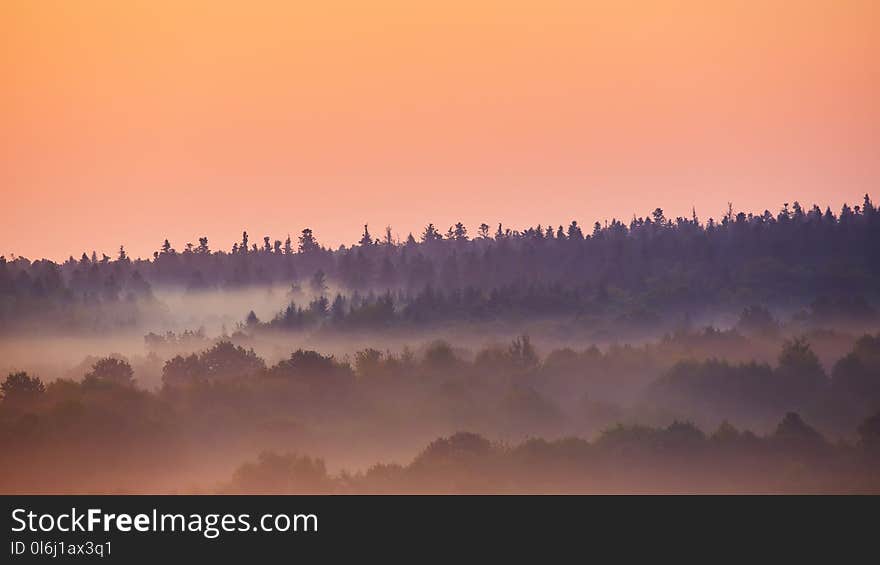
731, 354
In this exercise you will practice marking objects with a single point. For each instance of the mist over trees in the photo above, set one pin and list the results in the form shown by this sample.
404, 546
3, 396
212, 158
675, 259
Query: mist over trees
644, 406
628, 270
657, 355
679, 458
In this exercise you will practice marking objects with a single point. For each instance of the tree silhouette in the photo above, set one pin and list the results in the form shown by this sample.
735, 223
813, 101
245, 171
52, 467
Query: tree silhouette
431, 234
869, 434
19, 386
858, 373
622, 276
800, 372
366, 238
307, 242
110, 370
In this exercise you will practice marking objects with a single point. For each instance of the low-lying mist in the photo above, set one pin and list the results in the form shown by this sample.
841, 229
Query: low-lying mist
208, 403
737, 355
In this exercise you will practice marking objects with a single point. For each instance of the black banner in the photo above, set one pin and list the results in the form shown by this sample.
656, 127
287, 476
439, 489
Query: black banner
134, 529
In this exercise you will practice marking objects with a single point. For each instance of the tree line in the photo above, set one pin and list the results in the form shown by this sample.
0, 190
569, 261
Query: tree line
679, 458
652, 261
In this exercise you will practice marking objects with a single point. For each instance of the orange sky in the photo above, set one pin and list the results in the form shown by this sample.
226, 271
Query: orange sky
128, 122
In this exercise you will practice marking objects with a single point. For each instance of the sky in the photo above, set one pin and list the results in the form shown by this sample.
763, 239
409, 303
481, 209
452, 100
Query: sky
131, 122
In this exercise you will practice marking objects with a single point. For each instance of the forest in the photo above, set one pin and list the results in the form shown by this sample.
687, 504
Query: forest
658, 355
616, 275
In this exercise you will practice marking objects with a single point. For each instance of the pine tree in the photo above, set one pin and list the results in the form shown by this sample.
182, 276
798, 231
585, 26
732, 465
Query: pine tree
366, 238
307, 241
431, 234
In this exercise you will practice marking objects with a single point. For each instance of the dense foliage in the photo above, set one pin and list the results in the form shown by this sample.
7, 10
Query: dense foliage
226, 399
648, 266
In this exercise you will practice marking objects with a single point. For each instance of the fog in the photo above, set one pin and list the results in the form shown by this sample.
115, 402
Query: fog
740, 355
508, 382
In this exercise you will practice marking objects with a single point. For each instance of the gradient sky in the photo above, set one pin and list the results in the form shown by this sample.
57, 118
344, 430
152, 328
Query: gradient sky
128, 122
